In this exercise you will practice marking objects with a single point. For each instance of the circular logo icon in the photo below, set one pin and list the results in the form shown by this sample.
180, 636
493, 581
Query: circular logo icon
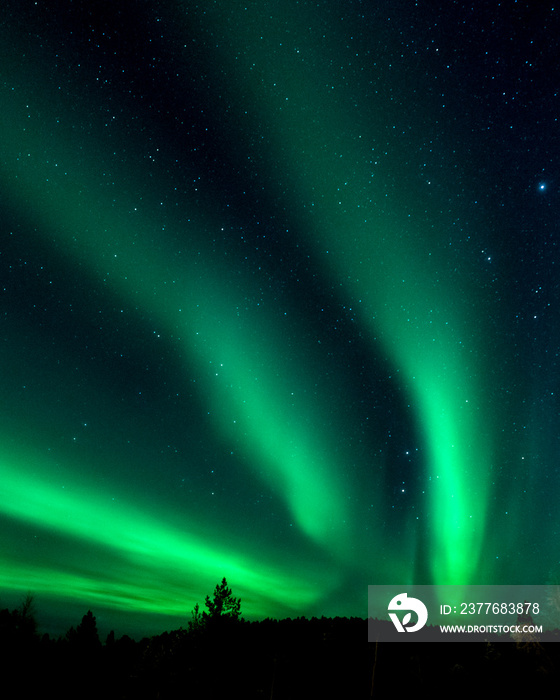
403, 603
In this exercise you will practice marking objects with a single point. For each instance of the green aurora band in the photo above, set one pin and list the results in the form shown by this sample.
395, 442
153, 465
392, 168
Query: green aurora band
260, 402
259, 391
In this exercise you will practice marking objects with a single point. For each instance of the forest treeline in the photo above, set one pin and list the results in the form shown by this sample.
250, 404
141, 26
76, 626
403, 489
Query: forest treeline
218, 654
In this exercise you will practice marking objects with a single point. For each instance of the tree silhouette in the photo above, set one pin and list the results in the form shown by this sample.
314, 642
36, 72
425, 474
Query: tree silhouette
223, 608
19, 627
86, 636
223, 605
25, 617
27, 607
196, 623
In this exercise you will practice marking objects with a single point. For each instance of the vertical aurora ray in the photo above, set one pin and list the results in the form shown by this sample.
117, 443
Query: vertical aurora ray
450, 405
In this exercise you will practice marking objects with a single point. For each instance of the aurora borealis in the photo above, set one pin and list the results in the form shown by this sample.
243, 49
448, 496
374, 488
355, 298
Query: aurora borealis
279, 303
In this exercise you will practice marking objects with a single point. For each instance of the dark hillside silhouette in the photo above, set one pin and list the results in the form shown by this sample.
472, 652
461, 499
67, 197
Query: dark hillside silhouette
221, 655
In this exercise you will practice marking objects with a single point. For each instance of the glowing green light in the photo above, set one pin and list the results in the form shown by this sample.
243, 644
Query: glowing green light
160, 568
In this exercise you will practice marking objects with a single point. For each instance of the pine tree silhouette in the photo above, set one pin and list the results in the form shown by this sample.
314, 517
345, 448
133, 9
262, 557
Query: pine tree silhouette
223, 605
86, 635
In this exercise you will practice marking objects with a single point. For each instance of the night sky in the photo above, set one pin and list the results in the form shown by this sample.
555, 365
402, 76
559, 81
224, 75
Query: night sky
279, 289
